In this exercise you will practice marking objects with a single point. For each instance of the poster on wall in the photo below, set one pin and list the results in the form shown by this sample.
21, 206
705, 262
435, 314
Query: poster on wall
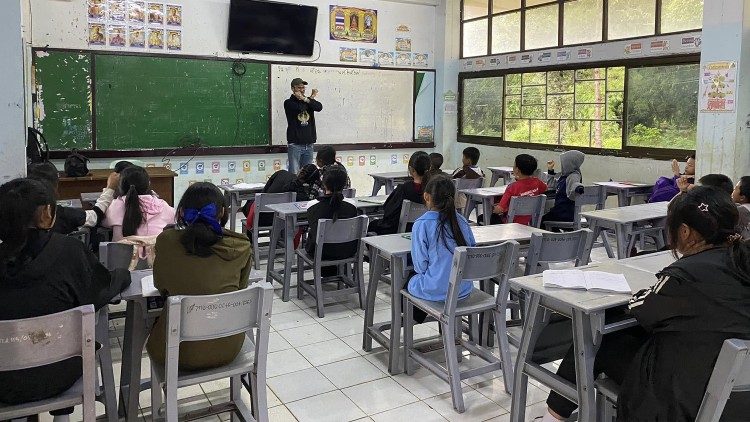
174, 40
385, 58
174, 15
116, 10
136, 37
347, 54
718, 87
155, 14
156, 38
403, 59
137, 12
97, 10
403, 44
116, 35
367, 55
421, 59
97, 34
353, 24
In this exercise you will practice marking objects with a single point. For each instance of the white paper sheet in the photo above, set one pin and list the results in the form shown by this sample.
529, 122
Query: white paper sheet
147, 286
248, 186
588, 280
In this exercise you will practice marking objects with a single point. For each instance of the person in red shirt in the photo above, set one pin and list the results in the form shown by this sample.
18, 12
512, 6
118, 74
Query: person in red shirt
526, 184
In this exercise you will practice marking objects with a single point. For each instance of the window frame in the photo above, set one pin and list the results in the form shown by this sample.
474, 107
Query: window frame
626, 151
560, 28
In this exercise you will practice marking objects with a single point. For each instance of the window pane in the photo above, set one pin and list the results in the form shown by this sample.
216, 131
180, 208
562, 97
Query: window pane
506, 33
611, 135
681, 15
560, 107
475, 38
513, 84
533, 112
516, 130
545, 131
481, 111
662, 106
536, 2
538, 78
575, 133
616, 79
533, 95
505, 5
560, 82
513, 106
475, 8
541, 27
590, 92
631, 18
614, 105
583, 21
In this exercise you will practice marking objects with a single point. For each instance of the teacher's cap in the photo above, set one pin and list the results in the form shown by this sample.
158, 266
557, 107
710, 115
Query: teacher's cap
298, 81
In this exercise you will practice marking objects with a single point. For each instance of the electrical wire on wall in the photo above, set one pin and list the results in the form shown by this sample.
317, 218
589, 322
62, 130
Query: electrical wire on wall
186, 142
238, 71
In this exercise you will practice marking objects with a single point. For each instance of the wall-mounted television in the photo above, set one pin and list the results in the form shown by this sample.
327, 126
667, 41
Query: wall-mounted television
257, 26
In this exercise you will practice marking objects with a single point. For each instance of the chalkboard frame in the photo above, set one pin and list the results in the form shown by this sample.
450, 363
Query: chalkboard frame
232, 150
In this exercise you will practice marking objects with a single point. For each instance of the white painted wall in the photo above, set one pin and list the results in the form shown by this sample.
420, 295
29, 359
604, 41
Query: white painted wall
12, 104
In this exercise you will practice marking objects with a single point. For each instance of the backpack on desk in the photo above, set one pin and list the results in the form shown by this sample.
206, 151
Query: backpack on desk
76, 165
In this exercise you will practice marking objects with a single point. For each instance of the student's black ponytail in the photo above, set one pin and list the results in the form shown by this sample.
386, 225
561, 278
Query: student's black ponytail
334, 180
134, 181
443, 192
201, 230
20, 200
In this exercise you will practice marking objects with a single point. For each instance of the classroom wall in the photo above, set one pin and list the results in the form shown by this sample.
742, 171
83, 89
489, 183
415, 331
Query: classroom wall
63, 24
12, 129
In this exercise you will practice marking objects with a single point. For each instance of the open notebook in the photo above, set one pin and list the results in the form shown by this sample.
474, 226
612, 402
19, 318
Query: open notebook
587, 280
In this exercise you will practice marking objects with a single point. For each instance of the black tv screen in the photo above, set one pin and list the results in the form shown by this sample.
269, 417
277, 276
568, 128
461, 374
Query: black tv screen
271, 27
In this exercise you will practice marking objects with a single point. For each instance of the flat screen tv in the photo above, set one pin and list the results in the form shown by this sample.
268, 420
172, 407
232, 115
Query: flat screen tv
271, 27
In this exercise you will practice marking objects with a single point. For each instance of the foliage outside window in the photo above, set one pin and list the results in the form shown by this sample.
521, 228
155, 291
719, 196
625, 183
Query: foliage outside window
506, 26
585, 108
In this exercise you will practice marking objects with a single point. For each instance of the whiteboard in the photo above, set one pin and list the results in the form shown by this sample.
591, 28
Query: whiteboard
360, 105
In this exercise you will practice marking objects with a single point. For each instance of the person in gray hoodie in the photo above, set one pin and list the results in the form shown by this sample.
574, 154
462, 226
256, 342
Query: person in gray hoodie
569, 185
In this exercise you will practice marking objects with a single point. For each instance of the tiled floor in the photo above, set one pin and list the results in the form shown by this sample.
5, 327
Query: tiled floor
317, 371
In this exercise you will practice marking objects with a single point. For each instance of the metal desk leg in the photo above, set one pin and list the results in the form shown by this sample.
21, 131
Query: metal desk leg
468, 207
494, 179
532, 327
233, 200
376, 185
487, 210
130, 375
397, 283
507, 178
622, 198
288, 256
376, 272
278, 225
389, 185
622, 241
585, 353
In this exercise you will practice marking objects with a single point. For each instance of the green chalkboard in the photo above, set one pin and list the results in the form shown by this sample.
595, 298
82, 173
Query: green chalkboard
63, 98
157, 102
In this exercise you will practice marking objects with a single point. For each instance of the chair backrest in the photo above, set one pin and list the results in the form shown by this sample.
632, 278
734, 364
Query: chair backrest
527, 205
731, 373
410, 212
468, 183
115, 255
263, 200
83, 235
549, 247
480, 263
349, 193
592, 195
342, 231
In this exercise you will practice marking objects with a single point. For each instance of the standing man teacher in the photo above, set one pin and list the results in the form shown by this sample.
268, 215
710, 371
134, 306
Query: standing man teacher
300, 132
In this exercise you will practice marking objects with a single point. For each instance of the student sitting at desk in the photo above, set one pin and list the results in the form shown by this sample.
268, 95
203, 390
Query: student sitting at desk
469, 170
436, 161
199, 257
569, 186
666, 188
43, 272
326, 160
419, 164
525, 185
741, 197
663, 365
70, 219
138, 211
435, 236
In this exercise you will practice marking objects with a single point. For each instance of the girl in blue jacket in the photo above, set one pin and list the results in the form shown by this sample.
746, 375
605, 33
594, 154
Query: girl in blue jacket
435, 236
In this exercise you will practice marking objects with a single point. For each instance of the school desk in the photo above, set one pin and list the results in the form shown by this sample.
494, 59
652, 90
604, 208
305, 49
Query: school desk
138, 322
396, 248
162, 182
625, 191
653, 262
484, 196
73, 203
286, 219
389, 180
623, 221
88, 199
235, 194
586, 309
505, 173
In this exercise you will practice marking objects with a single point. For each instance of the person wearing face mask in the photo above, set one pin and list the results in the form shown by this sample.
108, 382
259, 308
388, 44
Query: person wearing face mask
663, 364
44, 272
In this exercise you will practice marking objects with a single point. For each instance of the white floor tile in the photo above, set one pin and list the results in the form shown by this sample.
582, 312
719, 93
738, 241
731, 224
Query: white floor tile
478, 407
495, 391
286, 361
326, 352
280, 414
308, 334
423, 384
277, 343
299, 385
380, 360
355, 342
331, 312
332, 406
345, 326
418, 411
347, 373
379, 395
280, 307
291, 319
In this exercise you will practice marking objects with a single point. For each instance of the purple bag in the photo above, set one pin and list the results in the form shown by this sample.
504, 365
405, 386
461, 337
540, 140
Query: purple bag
664, 190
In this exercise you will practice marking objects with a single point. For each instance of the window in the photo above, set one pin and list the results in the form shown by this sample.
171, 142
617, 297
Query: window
516, 25
481, 112
663, 106
585, 108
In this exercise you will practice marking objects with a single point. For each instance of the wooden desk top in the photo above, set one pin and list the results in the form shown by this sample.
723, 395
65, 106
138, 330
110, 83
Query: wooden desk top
103, 174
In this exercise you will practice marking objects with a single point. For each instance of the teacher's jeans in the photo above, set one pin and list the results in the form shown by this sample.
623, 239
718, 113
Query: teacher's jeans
299, 156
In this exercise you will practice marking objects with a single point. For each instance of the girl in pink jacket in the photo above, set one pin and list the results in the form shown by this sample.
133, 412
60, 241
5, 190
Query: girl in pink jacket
137, 211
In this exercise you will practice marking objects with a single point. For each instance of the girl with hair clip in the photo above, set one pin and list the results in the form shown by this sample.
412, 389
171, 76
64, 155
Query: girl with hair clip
43, 272
199, 257
435, 236
331, 206
663, 365
138, 211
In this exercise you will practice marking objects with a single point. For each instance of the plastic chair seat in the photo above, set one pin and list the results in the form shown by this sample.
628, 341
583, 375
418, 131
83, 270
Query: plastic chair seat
69, 398
477, 301
242, 364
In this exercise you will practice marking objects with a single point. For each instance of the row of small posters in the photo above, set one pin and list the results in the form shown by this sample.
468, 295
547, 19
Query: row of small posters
382, 58
135, 24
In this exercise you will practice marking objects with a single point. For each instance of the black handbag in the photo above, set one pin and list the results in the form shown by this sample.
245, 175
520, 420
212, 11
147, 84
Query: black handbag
76, 165
37, 150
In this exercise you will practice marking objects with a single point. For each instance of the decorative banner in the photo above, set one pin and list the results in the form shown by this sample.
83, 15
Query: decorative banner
718, 87
347, 54
385, 58
634, 48
403, 44
421, 59
690, 42
353, 24
545, 57
659, 45
367, 55
350, 161
262, 165
527, 58
584, 53
406, 158
403, 59
563, 56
